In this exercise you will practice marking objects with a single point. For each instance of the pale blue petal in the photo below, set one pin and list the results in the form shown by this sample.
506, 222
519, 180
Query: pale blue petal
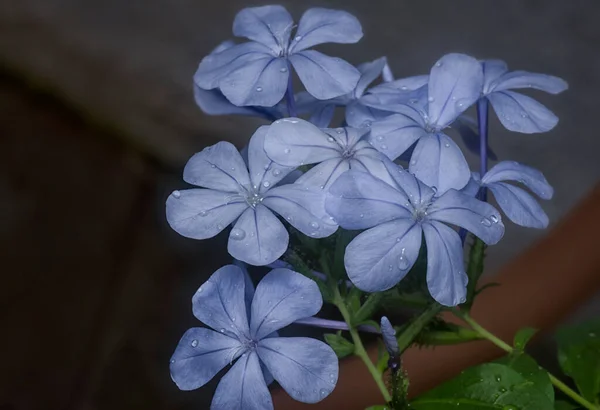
358, 200
492, 70
303, 207
519, 206
347, 137
416, 191
215, 66
200, 355
213, 102
202, 213
306, 368
524, 79
258, 237
520, 113
470, 137
474, 215
389, 336
282, 297
367, 159
322, 116
472, 188
323, 76
243, 387
395, 134
324, 174
455, 83
439, 163
249, 286
368, 73
319, 25
387, 73
321, 112
269, 25
446, 277
528, 176
379, 258
401, 85
293, 142
262, 82
264, 173
359, 115
220, 304
219, 167
292, 177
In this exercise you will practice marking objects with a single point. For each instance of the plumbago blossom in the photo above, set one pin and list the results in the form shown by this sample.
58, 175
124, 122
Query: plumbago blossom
396, 217
247, 195
245, 324
518, 205
312, 178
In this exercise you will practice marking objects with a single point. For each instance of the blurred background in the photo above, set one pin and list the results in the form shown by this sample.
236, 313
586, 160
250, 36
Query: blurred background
97, 120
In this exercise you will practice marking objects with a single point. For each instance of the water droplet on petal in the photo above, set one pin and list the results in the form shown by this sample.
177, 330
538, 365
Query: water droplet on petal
330, 139
447, 145
202, 213
287, 150
324, 392
403, 261
258, 89
176, 194
362, 215
298, 37
219, 226
380, 138
430, 99
438, 64
213, 166
283, 69
194, 343
276, 172
172, 360
314, 225
383, 146
367, 123
237, 234
413, 162
486, 222
222, 330
414, 101
404, 88
339, 130
494, 219
266, 184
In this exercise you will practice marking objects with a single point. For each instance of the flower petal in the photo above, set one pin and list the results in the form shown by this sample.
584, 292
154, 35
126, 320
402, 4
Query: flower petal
470, 137
303, 207
379, 258
282, 297
323, 76
439, 163
213, 102
319, 25
524, 79
368, 73
249, 286
219, 302
217, 65
258, 237
395, 134
474, 215
403, 85
520, 113
358, 200
519, 206
219, 167
243, 387
306, 368
492, 70
513, 171
269, 25
293, 142
359, 115
202, 213
367, 159
413, 189
200, 355
261, 82
446, 277
455, 83
324, 174
388, 334
264, 173
472, 188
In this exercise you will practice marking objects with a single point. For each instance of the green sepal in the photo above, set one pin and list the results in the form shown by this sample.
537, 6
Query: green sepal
340, 345
522, 337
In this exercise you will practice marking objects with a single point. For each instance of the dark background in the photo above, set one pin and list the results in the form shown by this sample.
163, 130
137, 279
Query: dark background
97, 120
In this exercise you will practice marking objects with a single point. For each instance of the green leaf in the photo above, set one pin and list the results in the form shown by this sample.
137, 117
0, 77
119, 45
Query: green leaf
564, 405
488, 386
368, 308
342, 239
353, 300
579, 357
379, 407
523, 336
447, 337
339, 344
408, 333
527, 367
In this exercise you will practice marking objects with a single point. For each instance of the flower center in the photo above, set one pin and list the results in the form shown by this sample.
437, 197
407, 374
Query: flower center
348, 153
253, 198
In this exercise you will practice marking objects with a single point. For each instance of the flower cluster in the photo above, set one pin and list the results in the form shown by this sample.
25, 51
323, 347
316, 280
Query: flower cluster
302, 174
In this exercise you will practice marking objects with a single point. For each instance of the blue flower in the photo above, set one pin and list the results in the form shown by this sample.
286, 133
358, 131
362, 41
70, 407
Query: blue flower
518, 205
248, 199
455, 83
395, 218
292, 142
257, 72
518, 112
389, 337
245, 326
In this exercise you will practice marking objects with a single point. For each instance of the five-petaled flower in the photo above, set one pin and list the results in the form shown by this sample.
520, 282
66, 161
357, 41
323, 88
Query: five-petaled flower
258, 72
293, 142
233, 194
518, 205
395, 218
245, 324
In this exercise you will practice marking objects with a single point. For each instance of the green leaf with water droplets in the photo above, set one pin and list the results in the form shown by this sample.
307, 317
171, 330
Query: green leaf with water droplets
488, 386
527, 367
579, 357
523, 336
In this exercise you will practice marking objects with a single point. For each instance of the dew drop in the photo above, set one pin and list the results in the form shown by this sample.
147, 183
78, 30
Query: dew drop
276, 172
414, 101
494, 219
384, 146
323, 392
403, 261
404, 88
322, 187
265, 168
498, 379
252, 234
298, 37
463, 300
222, 330
314, 225
194, 343
524, 115
266, 184
202, 213
486, 222
287, 150
367, 123
447, 145
502, 390
390, 267
438, 64
258, 89
213, 166
380, 138
237, 234
219, 226
413, 162
283, 70
330, 139
430, 99
339, 130
172, 361
362, 215
176, 194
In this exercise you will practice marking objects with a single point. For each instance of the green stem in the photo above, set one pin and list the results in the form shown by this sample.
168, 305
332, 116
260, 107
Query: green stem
509, 349
359, 349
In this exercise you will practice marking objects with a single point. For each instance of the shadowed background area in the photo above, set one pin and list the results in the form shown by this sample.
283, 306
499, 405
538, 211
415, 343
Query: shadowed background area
97, 121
